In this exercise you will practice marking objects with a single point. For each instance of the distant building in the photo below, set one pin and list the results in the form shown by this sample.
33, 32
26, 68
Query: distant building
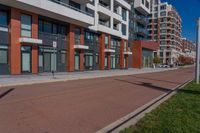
188, 48
165, 27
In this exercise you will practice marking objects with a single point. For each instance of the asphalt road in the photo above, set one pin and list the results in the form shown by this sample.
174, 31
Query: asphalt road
81, 106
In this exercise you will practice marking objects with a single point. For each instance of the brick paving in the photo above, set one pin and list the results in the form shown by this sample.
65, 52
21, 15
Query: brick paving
81, 106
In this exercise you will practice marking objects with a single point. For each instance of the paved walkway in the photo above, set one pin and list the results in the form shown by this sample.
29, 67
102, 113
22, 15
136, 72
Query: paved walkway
7, 80
82, 106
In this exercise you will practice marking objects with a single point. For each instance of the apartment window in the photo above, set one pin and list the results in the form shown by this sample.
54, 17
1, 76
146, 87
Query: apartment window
123, 29
155, 8
147, 4
156, 14
124, 14
47, 27
40, 25
163, 31
106, 41
163, 25
3, 18
77, 36
163, 7
125, 45
87, 36
143, 2
25, 25
163, 14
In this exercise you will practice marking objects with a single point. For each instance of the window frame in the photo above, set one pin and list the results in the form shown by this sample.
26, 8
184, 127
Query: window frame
22, 29
2, 49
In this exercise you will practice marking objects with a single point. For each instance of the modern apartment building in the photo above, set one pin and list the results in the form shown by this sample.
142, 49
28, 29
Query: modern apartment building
141, 47
165, 27
63, 35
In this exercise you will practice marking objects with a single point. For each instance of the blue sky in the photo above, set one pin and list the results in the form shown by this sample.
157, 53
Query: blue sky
189, 11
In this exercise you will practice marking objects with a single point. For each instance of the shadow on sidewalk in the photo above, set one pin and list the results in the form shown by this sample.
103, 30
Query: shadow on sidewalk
148, 85
177, 83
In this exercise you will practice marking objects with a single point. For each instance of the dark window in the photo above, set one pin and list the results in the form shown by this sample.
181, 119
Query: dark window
62, 30
3, 19
123, 29
55, 29
47, 27
74, 4
124, 14
40, 25
147, 4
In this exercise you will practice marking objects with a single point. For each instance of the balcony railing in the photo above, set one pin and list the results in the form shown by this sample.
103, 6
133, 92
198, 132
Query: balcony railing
104, 5
104, 23
142, 19
116, 28
141, 30
71, 7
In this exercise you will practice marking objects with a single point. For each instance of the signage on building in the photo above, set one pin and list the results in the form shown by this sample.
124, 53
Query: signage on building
54, 44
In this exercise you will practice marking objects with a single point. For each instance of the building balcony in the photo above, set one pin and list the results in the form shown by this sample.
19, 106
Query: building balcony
54, 9
142, 20
143, 8
141, 31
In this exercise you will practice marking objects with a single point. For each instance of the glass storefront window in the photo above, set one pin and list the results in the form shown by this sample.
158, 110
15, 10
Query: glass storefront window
3, 56
77, 36
47, 27
25, 25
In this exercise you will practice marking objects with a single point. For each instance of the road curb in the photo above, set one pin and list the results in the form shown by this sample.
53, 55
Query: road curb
135, 116
80, 78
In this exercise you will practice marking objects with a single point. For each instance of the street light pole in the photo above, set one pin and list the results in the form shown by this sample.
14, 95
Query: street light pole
54, 58
197, 51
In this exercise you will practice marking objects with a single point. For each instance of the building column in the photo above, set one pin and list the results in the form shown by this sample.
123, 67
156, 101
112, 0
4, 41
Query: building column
102, 53
70, 51
34, 48
82, 51
15, 46
121, 60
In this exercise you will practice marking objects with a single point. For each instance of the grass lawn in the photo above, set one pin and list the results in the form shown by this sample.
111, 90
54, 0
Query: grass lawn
179, 114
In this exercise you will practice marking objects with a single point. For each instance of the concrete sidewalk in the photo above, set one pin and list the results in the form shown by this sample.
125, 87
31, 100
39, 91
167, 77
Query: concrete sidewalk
10, 80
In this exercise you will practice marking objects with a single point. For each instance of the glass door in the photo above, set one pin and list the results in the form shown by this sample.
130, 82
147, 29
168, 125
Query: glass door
26, 59
106, 62
88, 61
77, 62
53, 62
47, 62
113, 62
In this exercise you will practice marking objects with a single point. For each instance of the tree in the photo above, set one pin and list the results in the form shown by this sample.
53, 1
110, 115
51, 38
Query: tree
156, 60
